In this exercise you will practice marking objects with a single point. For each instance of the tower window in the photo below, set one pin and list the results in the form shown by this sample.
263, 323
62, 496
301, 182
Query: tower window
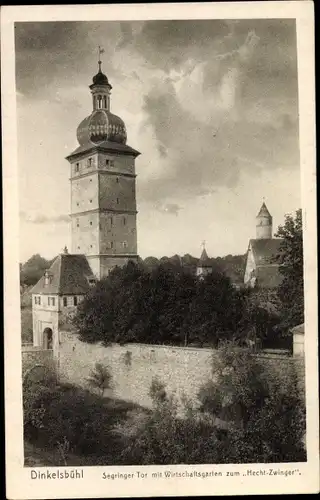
111, 221
91, 223
124, 221
90, 201
107, 162
117, 201
117, 180
77, 203
111, 163
77, 167
65, 301
105, 101
77, 222
124, 244
89, 162
78, 248
75, 301
90, 246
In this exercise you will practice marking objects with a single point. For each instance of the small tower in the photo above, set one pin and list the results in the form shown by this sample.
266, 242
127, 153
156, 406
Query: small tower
204, 266
264, 224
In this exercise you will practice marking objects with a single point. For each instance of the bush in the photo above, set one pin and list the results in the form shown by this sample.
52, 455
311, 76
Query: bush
163, 437
263, 408
100, 378
75, 421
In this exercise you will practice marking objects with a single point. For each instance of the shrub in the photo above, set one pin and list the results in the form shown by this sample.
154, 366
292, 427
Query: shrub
263, 408
100, 378
164, 437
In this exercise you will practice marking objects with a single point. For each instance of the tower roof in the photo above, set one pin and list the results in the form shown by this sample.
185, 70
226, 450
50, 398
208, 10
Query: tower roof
100, 126
69, 275
100, 79
264, 212
204, 260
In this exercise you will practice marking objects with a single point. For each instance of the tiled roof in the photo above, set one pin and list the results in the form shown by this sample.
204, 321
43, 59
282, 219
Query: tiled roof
104, 146
204, 260
265, 250
69, 276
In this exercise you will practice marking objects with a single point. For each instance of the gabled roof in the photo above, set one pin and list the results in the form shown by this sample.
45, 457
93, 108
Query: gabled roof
108, 146
69, 276
264, 212
204, 260
265, 250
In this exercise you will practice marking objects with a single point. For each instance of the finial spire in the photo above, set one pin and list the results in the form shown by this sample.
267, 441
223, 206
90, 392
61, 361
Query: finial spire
65, 250
203, 244
100, 51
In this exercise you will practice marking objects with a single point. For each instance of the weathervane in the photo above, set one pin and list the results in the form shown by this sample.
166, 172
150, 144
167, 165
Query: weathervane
100, 51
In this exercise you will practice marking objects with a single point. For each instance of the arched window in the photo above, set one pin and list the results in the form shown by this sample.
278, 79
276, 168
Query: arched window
105, 101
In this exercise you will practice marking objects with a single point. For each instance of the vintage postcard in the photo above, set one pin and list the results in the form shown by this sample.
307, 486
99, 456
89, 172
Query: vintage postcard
160, 250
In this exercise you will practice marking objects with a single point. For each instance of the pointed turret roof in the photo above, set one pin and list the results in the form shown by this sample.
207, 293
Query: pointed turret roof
264, 212
204, 260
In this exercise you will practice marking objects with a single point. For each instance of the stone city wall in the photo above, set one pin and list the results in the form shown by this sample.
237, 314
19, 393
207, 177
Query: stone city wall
133, 367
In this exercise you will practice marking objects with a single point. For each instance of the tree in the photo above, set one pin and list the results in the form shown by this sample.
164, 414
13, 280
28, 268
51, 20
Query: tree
290, 258
32, 270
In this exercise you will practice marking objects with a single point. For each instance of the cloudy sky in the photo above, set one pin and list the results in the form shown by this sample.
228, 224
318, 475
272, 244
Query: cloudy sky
211, 105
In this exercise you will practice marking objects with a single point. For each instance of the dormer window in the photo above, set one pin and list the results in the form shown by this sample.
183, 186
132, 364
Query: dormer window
92, 281
47, 278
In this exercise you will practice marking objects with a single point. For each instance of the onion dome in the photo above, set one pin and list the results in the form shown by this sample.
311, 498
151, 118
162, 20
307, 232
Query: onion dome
100, 79
101, 126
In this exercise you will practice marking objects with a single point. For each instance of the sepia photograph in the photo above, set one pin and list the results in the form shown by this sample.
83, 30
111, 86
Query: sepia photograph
161, 245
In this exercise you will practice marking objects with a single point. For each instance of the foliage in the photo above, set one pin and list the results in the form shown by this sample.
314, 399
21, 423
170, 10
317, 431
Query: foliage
77, 422
290, 258
63, 449
263, 407
32, 270
157, 391
100, 378
161, 306
163, 437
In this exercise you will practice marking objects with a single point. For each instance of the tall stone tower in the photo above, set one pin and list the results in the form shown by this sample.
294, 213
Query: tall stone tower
264, 224
103, 186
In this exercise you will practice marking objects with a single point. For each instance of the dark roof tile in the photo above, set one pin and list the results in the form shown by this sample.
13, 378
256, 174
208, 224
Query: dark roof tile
69, 276
266, 250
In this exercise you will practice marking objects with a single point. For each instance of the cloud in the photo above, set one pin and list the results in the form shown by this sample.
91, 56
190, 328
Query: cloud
169, 208
44, 219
